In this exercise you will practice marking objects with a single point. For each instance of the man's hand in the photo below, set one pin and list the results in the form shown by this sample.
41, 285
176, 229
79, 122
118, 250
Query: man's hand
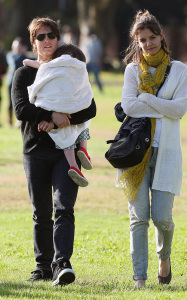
45, 126
61, 119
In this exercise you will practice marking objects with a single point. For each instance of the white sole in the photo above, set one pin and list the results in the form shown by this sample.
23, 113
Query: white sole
84, 160
65, 277
79, 180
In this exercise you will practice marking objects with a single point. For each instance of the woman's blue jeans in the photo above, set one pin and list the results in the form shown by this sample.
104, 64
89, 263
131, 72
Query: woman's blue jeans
51, 189
140, 209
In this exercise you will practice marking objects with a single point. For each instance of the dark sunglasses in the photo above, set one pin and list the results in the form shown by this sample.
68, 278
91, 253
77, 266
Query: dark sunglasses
50, 35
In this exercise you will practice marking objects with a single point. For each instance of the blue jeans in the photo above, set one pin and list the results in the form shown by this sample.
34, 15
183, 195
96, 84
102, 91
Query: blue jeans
50, 188
161, 214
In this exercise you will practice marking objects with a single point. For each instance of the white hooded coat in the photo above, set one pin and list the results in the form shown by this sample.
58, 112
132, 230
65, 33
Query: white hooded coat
62, 85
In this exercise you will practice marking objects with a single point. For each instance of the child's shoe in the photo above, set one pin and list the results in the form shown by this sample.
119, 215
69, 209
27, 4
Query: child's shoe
84, 159
77, 177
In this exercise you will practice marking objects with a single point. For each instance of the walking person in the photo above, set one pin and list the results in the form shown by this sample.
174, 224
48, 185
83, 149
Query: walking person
15, 60
152, 185
46, 167
3, 70
93, 49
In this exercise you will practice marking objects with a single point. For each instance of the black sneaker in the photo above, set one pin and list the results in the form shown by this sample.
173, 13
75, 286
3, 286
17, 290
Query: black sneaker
63, 274
41, 275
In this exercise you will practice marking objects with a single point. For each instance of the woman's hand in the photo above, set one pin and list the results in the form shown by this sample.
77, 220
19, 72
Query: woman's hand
61, 119
45, 126
143, 97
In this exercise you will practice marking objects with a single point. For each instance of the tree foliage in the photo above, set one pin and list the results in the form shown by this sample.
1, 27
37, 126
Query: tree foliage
109, 18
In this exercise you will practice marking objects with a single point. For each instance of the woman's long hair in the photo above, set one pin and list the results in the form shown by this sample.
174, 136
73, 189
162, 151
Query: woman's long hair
142, 20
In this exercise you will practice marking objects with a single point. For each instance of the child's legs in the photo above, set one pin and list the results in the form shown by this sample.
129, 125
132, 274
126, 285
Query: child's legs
70, 156
70, 151
84, 144
82, 138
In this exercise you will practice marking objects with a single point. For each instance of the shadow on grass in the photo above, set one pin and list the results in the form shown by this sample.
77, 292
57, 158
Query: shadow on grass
37, 290
44, 289
169, 288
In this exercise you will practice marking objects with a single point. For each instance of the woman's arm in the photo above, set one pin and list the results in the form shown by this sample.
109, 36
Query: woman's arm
177, 106
132, 105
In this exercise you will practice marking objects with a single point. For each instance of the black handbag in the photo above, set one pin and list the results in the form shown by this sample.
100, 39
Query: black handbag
130, 144
132, 140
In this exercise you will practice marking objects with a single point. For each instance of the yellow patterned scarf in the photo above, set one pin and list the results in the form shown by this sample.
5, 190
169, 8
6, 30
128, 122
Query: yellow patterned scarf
131, 178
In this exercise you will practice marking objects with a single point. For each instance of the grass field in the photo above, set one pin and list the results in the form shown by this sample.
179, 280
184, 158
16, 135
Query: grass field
101, 256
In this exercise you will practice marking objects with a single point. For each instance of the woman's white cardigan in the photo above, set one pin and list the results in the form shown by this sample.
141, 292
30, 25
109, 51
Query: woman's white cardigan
62, 85
170, 105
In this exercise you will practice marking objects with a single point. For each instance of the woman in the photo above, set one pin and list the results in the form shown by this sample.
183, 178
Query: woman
161, 169
46, 167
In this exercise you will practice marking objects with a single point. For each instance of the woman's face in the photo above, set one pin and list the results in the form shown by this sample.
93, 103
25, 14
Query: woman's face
46, 47
149, 42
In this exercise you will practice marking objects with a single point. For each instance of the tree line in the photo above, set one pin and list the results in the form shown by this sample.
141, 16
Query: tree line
110, 19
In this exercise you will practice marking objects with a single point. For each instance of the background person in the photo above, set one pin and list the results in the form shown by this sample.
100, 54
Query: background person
93, 50
15, 60
3, 70
46, 167
68, 36
161, 170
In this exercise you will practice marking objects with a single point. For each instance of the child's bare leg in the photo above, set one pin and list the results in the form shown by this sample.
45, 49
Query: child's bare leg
74, 171
84, 144
83, 156
70, 156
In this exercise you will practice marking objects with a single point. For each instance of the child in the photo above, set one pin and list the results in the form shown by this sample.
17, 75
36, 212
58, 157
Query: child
62, 85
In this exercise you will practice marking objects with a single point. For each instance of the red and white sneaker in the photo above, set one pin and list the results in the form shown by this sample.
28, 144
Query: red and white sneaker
84, 159
77, 177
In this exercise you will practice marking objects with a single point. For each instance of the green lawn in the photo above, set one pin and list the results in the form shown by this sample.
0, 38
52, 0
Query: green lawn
101, 256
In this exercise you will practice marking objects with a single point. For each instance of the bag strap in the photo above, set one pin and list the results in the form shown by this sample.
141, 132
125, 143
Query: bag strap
165, 76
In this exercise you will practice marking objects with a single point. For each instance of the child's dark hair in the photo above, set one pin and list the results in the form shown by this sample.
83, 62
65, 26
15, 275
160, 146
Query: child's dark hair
70, 49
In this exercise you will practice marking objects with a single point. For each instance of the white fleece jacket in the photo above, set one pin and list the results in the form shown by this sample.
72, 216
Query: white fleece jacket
170, 105
62, 85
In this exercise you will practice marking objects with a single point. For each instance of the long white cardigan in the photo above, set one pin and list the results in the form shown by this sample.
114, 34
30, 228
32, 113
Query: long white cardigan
62, 85
170, 105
